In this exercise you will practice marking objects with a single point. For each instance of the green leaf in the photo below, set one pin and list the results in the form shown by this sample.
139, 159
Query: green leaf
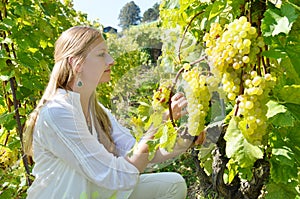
282, 165
167, 136
8, 121
274, 108
282, 26
171, 4
275, 53
217, 8
290, 12
238, 148
278, 115
281, 191
283, 155
277, 21
290, 94
294, 109
232, 170
283, 120
292, 62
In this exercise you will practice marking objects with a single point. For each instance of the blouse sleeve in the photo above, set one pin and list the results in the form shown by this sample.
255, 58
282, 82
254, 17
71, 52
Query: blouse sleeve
119, 134
68, 138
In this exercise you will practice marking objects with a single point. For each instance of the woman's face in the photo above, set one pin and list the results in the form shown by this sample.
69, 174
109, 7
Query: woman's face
96, 67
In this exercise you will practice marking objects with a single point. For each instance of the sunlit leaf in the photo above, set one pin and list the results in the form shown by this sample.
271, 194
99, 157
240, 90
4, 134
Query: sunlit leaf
238, 148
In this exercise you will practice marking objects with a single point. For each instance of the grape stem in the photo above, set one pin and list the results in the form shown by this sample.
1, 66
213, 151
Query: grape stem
173, 88
185, 31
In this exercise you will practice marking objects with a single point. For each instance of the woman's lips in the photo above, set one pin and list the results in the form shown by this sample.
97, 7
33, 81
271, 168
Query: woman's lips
108, 70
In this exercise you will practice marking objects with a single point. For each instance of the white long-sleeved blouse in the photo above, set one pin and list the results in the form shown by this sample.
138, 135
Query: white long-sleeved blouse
70, 163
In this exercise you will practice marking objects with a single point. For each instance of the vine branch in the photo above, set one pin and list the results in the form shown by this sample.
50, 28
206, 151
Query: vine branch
19, 126
173, 87
185, 31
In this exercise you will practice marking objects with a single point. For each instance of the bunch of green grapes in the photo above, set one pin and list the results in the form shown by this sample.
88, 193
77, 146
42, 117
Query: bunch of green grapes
233, 52
252, 105
198, 97
233, 47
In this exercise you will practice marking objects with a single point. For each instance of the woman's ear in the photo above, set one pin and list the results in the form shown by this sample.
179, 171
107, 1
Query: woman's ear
74, 64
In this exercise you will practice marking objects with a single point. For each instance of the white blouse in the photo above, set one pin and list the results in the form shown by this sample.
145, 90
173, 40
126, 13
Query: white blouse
70, 163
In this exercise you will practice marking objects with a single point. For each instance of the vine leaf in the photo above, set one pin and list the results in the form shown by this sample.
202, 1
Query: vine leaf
168, 137
283, 165
284, 155
274, 108
278, 21
290, 94
286, 191
238, 148
217, 8
294, 109
282, 26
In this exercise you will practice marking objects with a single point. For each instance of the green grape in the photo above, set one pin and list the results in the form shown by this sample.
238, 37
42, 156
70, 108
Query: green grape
256, 80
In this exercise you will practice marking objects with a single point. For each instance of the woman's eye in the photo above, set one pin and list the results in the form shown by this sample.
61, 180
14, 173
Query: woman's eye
102, 54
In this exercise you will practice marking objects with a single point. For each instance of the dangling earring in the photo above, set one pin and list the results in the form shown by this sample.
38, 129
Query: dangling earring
79, 82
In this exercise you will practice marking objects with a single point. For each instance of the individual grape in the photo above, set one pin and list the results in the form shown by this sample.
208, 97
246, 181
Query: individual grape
247, 43
246, 59
253, 74
249, 105
268, 77
257, 81
231, 96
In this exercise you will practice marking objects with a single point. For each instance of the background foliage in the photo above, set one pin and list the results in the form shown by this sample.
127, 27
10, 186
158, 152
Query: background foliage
28, 31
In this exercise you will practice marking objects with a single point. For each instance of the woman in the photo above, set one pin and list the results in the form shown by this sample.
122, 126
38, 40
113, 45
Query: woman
79, 149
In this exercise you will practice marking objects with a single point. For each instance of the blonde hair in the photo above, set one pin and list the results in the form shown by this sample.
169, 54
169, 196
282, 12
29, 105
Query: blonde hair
74, 42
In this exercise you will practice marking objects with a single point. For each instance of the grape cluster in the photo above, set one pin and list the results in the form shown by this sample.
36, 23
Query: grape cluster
252, 105
234, 56
198, 97
232, 47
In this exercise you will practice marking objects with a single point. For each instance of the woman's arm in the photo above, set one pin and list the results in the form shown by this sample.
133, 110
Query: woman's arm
181, 146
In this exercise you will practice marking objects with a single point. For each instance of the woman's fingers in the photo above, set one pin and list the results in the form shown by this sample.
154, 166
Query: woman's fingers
178, 104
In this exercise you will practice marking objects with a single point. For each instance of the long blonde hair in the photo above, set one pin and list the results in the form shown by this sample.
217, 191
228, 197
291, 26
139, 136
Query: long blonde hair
76, 42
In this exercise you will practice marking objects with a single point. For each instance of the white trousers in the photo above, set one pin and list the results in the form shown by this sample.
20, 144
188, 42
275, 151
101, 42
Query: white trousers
160, 186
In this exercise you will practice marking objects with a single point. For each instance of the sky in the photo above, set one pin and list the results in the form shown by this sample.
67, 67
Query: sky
107, 11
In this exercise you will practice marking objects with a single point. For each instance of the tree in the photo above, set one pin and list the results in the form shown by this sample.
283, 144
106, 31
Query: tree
129, 15
151, 14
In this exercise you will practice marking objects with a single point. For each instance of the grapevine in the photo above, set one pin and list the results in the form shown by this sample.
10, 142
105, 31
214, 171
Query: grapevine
250, 49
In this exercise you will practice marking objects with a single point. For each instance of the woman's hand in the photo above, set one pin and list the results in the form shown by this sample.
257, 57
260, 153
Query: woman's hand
178, 105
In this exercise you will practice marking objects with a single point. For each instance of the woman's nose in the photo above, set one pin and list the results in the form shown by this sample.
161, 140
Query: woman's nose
109, 60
